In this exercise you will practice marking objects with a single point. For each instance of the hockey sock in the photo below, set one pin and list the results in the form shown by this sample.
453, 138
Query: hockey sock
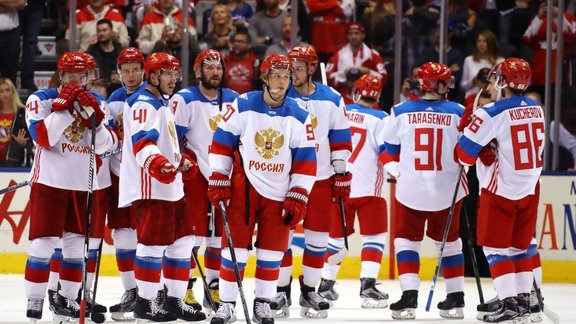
72, 266
55, 262
536, 265
176, 266
125, 243
213, 258
371, 256
452, 265
502, 271
408, 262
285, 276
330, 272
147, 269
523, 269
193, 264
228, 284
314, 254
267, 271
38, 266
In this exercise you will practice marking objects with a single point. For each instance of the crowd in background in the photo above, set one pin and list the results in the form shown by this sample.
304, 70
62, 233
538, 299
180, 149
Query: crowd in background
353, 37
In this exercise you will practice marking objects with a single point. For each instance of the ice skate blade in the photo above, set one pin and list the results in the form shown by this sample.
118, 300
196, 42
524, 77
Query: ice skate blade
404, 314
454, 313
536, 317
480, 315
121, 317
144, 321
330, 302
283, 312
308, 312
373, 303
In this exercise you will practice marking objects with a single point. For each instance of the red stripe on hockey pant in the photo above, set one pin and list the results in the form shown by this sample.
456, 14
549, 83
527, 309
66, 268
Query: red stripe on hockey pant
523, 265
408, 267
536, 261
37, 276
213, 259
144, 274
287, 259
228, 274
125, 265
501, 268
267, 274
371, 255
453, 272
313, 261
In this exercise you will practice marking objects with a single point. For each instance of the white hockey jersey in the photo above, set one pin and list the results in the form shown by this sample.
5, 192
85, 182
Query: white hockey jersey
276, 145
331, 128
62, 158
196, 120
367, 128
148, 129
517, 124
104, 180
421, 135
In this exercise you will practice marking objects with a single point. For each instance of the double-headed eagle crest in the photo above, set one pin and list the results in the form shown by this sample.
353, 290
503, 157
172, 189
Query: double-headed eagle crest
214, 120
268, 142
75, 131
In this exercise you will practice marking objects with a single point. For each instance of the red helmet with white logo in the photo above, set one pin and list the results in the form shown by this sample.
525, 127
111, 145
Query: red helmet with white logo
277, 62
160, 61
431, 74
304, 53
368, 86
74, 62
130, 55
206, 56
515, 72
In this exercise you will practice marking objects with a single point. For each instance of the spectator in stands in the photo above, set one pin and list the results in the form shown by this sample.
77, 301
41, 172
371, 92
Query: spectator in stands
164, 25
566, 139
481, 83
330, 20
266, 26
88, 17
106, 50
14, 136
485, 54
354, 55
378, 19
241, 64
30, 22
461, 21
419, 25
410, 86
284, 46
220, 28
10, 37
241, 12
496, 16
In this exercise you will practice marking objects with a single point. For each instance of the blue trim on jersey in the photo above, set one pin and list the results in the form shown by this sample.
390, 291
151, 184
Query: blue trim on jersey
437, 106
148, 263
317, 253
268, 264
118, 95
300, 154
226, 138
366, 110
496, 108
532, 250
339, 135
453, 261
146, 96
392, 149
407, 256
181, 131
322, 93
470, 147
98, 96
254, 101
45, 94
194, 94
151, 135
381, 148
374, 246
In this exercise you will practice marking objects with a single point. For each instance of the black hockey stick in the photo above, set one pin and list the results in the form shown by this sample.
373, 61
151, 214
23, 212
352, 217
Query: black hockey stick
336, 258
473, 257
444, 238
204, 282
234, 261
549, 313
95, 316
14, 187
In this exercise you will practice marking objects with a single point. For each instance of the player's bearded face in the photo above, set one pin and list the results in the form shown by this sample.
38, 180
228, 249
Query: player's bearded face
131, 74
211, 74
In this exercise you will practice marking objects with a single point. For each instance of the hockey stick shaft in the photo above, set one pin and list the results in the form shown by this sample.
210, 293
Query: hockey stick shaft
234, 261
14, 187
552, 316
96, 276
108, 154
323, 73
444, 238
338, 257
204, 282
473, 257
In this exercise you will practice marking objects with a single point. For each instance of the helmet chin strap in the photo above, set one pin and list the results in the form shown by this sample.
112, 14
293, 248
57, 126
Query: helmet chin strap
499, 88
270, 92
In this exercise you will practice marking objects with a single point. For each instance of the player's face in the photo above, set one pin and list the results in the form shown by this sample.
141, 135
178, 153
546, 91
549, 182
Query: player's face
211, 74
131, 74
301, 75
5, 94
279, 81
73, 77
168, 79
491, 89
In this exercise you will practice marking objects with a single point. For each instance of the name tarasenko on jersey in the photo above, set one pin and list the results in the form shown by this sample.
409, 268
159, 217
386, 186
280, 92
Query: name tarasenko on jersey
430, 118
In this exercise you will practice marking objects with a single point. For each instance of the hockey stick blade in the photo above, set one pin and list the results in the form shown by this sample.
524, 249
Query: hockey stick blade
336, 258
551, 315
98, 317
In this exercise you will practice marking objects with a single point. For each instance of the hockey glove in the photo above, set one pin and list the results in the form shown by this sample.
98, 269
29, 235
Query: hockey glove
159, 168
294, 206
466, 118
488, 155
341, 186
219, 189
66, 98
86, 106
188, 167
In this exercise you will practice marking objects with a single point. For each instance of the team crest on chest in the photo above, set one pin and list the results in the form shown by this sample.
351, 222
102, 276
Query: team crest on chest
214, 120
75, 132
268, 142
313, 121
172, 132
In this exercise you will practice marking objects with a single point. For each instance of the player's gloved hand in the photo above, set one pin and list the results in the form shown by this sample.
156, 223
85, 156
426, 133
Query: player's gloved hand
466, 118
294, 207
66, 98
159, 168
341, 186
219, 189
87, 106
188, 167
98, 163
488, 156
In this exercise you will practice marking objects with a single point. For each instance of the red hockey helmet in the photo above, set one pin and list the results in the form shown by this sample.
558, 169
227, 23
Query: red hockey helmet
304, 53
74, 62
431, 74
277, 62
368, 86
159, 62
208, 55
515, 72
130, 55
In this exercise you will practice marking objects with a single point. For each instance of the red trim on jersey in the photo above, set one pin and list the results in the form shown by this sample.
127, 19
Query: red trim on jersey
125, 265
91, 264
305, 168
70, 274
228, 274
175, 273
464, 157
379, 181
386, 157
36, 171
343, 146
493, 184
42, 134
523, 265
146, 186
221, 149
141, 144
148, 275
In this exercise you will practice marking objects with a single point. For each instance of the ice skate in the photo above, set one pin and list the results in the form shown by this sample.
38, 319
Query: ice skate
262, 314
370, 295
34, 309
147, 311
326, 290
453, 306
189, 299
161, 295
535, 311
89, 300
225, 314
281, 303
213, 287
405, 308
64, 309
524, 307
313, 305
180, 309
508, 313
489, 307
126, 305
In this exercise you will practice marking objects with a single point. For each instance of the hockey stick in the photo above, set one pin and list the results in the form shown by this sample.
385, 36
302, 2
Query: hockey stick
204, 282
93, 315
108, 154
473, 257
234, 261
444, 238
338, 257
552, 316
14, 187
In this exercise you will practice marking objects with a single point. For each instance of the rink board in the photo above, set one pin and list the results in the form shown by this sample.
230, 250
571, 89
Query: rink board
556, 234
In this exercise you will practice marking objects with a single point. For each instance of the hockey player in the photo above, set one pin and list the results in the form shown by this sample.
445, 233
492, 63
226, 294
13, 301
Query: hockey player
276, 168
151, 181
122, 221
515, 125
197, 113
421, 136
333, 146
366, 196
62, 132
